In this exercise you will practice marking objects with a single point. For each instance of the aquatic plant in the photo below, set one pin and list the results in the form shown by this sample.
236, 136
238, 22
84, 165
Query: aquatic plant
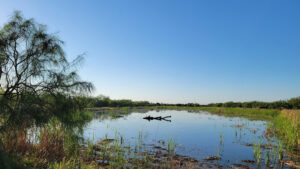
280, 152
90, 148
257, 151
221, 138
171, 145
73, 163
218, 153
267, 157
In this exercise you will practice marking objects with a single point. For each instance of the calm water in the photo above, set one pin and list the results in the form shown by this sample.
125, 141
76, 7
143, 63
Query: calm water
197, 134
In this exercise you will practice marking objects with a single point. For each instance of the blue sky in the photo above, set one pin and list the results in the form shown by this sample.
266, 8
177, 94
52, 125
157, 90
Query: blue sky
178, 51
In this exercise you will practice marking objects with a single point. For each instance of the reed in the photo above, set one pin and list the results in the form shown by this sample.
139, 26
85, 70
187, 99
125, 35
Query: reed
287, 126
257, 152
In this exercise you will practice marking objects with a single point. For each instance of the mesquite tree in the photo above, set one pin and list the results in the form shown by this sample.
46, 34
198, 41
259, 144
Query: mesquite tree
34, 72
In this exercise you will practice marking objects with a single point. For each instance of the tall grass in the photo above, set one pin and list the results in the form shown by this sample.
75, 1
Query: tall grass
47, 147
242, 111
72, 163
171, 145
35, 147
257, 152
287, 126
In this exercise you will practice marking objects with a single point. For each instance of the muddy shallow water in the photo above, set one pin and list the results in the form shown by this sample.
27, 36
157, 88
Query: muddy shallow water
199, 135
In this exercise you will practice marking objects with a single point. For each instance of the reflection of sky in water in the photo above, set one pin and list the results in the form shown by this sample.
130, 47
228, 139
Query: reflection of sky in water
197, 134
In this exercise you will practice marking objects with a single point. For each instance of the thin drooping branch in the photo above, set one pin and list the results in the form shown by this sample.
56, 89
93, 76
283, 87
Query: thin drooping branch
33, 66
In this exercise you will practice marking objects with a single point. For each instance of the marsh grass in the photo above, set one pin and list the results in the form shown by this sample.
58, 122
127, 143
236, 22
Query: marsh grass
257, 152
72, 163
218, 152
172, 145
47, 147
56, 147
250, 112
287, 126
221, 138
38, 146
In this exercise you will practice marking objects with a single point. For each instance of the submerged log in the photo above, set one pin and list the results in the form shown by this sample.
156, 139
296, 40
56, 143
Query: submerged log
157, 118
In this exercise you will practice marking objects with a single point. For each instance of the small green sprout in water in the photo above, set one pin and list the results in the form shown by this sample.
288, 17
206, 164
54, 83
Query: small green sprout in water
171, 145
221, 138
280, 151
267, 157
218, 153
90, 148
140, 137
257, 151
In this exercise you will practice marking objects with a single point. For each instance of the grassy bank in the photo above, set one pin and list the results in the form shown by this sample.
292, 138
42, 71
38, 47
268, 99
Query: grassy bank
287, 126
243, 111
246, 112
250, 112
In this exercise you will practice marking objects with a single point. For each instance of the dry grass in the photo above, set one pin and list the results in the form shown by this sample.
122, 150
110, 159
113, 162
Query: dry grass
51, 145
46, 150
287, 126
36, 153
293, 116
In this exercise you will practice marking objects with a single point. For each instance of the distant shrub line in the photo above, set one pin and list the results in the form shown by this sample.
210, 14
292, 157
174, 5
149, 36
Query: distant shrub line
102, 101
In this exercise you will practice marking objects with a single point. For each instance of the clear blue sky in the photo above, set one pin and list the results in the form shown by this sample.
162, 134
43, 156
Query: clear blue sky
178, 51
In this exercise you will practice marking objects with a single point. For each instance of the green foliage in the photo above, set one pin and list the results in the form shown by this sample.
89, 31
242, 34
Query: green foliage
294, 103
287, 126
72, 163
244, 111
171, 145
102, 101
37, 82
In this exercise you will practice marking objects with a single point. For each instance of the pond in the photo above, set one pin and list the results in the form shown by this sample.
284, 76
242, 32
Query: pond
198, 134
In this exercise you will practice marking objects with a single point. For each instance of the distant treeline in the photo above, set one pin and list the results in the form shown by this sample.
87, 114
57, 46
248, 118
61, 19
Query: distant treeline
293, 103
103, 101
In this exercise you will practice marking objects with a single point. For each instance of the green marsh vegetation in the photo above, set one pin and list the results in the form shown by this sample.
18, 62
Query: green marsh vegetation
45, 106
43, 101
104, 101
287, 126
283, 114
284, 124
